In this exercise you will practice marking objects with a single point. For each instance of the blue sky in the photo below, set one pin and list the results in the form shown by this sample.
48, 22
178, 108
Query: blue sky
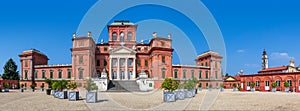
248, 27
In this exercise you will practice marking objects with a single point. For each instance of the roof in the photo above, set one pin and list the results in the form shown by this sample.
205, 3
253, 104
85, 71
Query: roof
208, 53
190, 66
232, 78
281, 68
33, 50
53, 65
121, 22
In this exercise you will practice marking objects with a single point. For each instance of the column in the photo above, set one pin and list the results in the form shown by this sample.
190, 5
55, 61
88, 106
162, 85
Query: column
118, 69
133, 72
126, 68
110, 69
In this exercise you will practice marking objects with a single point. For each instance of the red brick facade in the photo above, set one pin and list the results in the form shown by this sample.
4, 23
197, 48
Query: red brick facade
122, 58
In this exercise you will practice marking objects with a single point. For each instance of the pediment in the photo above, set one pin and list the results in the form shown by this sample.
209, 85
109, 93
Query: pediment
230, 79
123, 50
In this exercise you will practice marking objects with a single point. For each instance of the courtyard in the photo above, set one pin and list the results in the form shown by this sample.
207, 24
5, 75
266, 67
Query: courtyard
211, 100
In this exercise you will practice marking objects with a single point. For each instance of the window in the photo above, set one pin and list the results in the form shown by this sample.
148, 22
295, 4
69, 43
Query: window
206, 84
130, 62
193, 75
267, 83
248, 84
114, 36
105, 48
26, 74
81, 59
163, 59
175, 73
202, 64
290, 82
184, 73
162, 43
200, 74
216, 74
80, 43
35, 74
59, 73
51, 74
278, 82
257, 83
98, 62
217, 84
216, 64
139, 49
146, 63
139, 62
146, 49
80, 74
26, 63
122, 62
43, 74
69, 74
163, 73
104, 62
206, 74
206, 64
129, 36
122, 36
114, 62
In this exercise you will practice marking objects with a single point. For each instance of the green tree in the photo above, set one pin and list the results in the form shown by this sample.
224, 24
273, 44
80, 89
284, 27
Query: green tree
10, 71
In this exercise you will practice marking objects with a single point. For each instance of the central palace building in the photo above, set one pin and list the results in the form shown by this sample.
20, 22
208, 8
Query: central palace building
122, 58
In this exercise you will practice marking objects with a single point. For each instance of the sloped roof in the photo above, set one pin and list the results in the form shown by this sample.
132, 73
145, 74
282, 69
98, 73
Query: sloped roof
281, 68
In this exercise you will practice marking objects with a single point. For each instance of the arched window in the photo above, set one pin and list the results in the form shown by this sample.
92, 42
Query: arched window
122, 35
184, 73
114, 36
129, 36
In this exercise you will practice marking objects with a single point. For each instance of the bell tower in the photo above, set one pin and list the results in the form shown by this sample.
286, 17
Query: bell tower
265, 63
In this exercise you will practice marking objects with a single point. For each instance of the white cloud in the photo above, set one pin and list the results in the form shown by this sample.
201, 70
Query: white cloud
280, 56
240, 51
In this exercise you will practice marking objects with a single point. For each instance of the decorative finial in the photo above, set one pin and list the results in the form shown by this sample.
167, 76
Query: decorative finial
102, 41
169, 36
89, 34
74, 35
154, 34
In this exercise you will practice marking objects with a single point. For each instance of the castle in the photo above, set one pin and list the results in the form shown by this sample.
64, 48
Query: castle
122, 58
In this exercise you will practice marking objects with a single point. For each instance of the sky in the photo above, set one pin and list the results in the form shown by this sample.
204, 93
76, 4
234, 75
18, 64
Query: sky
248, 27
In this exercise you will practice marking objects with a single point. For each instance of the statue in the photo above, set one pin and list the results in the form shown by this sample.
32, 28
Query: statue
154, 34
74, 35
89, 34
102, 41
103, 73
169, 36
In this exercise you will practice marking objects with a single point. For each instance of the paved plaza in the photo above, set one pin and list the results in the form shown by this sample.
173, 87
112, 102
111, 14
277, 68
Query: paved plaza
204, 100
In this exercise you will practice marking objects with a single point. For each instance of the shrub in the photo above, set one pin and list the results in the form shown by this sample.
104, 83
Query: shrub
239, 88
234, 85
71, 85
169, 84
90, 85
32, 86
274, 84
42, 86
22, 85
189, 84
222, 85
6, 85
49, 82
200, 85
252, 84
286, 84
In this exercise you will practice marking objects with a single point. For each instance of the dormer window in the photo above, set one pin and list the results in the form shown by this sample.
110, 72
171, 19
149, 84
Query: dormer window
114, 36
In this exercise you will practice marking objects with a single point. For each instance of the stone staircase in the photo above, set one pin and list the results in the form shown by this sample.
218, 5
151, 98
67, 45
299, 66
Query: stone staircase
123, 86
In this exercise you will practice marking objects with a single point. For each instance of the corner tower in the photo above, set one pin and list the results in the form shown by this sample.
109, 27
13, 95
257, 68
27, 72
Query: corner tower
265, 63
83, 58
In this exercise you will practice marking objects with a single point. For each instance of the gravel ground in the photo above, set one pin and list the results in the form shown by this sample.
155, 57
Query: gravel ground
226, 100
36, 101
